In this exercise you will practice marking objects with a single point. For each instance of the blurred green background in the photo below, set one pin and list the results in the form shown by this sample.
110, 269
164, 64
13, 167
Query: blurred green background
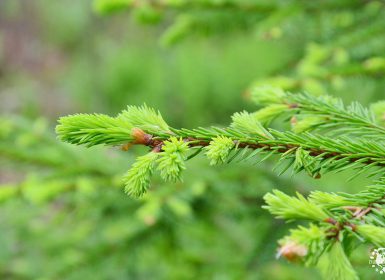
63, 213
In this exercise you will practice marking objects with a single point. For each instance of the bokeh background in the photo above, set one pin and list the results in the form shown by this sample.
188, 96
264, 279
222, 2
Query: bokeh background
63, 212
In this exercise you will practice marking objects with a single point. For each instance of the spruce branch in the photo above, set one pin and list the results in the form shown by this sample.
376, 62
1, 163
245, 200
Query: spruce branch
359, 217
334, 217
322, 113
353, 119
371, 195
270, 19
244, 139
107, 6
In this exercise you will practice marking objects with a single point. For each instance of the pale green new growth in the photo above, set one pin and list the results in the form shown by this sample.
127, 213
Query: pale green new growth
248, 124
268, 113
307, 124
266, 95
93, 129
287, 207
372, 233
144, 118
312, 237
137, 179
304, 235
219, 149
378, 109
172, 160
329, 200
335, 265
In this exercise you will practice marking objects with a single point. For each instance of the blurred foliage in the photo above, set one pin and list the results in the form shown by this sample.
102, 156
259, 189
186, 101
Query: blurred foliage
64, 214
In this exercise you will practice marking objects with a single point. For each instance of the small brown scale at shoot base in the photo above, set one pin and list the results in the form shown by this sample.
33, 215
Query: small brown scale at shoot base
292, 251
140, 138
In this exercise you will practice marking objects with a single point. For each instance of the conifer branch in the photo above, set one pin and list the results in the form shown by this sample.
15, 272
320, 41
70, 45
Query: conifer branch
244, 139
323, 113
334, 217
349, 216
106, 6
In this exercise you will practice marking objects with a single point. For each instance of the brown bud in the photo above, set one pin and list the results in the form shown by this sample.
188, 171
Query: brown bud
292, 251
140, 137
